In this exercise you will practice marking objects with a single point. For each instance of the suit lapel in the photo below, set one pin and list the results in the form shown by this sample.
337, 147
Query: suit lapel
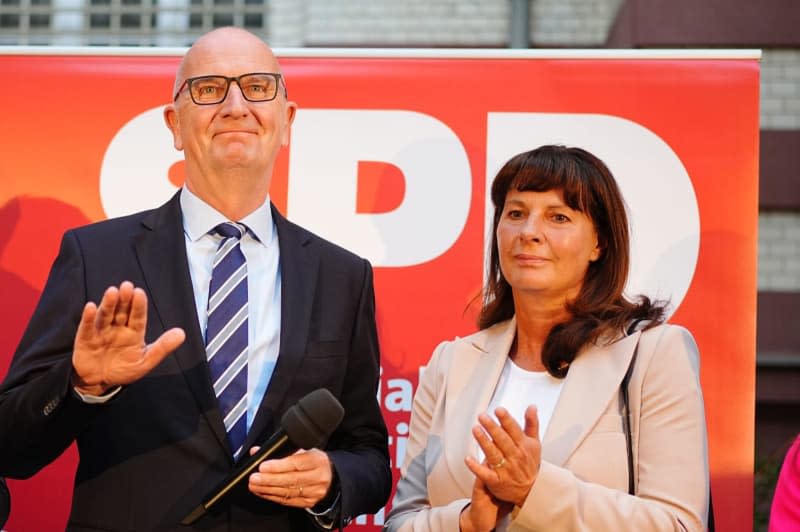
298, 279
161, 251
472, 380
591, 384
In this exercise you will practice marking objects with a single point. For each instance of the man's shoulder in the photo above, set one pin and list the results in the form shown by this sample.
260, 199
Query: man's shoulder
126, 225
113, 225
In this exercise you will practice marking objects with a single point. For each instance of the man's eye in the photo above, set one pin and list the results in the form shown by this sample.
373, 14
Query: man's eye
207, 89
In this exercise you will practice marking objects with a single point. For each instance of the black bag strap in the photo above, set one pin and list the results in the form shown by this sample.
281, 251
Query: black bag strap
623, 390
710, 511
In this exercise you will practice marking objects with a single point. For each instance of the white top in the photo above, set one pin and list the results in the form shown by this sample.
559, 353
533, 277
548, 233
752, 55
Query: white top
518, 388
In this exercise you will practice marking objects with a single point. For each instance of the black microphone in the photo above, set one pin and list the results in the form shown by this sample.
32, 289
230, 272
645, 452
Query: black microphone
305, 425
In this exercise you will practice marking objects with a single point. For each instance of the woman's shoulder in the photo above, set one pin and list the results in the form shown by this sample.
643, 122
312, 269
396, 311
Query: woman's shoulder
481, 338
483, 341
667, 333
669, 345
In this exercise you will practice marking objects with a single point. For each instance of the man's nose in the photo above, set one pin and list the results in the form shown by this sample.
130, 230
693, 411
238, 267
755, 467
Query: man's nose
235, 102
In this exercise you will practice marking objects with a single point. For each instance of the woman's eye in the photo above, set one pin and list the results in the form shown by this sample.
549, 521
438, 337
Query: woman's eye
560, 218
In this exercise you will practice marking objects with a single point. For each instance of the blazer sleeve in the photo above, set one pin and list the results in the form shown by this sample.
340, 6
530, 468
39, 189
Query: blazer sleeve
39, 415
670, 445
411, 508
359, 447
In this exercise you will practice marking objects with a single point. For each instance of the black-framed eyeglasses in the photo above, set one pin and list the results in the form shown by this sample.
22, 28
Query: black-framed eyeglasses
210, 90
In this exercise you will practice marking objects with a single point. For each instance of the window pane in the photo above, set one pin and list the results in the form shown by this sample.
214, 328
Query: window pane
130, 20
222, 19
253, 20
98, 20
9, 21
40, 21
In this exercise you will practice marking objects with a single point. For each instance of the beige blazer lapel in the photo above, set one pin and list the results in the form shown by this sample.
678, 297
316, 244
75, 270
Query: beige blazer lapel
591, 384
475, 371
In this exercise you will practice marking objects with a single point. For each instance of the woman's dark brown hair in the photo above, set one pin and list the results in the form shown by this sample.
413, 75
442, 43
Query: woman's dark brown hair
587, 186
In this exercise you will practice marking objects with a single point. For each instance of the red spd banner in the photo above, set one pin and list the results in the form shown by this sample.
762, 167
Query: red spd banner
391, 156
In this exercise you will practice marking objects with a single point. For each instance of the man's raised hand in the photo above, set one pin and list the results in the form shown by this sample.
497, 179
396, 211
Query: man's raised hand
110, 347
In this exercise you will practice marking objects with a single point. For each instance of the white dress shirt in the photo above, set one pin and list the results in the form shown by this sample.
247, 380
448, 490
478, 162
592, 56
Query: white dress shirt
260, 248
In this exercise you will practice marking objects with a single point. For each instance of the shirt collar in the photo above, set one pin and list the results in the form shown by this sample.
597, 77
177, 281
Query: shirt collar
199, 218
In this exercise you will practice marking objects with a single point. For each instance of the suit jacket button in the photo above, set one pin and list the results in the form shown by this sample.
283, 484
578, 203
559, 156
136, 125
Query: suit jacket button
50, 406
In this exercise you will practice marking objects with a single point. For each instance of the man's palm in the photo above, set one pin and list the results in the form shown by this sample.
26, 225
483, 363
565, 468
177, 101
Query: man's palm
110, 347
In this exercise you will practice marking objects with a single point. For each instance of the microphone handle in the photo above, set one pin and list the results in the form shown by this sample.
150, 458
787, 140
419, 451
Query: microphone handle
247, 467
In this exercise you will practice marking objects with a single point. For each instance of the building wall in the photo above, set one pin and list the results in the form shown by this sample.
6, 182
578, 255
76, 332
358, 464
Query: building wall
409, 23
779, 252
780, 89
424, 23
779, 230
579, 23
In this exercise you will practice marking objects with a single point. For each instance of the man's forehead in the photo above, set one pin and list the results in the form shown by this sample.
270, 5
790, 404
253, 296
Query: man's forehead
226, 51
222, 61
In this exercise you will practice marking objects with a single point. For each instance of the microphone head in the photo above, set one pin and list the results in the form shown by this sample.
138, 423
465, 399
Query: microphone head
309, 423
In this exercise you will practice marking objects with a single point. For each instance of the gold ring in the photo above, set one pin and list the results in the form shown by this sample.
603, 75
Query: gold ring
301, 491
499, 464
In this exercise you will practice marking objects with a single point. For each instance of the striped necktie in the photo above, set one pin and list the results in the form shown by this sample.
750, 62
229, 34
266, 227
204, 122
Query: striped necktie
226, 332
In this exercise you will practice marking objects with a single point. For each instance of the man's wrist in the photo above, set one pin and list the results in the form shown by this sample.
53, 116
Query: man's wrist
328, 502
327, 512
96, 391
85, 389
94, 399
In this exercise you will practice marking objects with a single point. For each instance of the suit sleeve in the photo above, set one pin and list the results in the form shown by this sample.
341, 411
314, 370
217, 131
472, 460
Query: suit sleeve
39, 415
411, 508
670, 456
359, 447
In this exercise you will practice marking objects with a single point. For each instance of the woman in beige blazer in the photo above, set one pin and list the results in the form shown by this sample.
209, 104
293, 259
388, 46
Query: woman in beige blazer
553, 309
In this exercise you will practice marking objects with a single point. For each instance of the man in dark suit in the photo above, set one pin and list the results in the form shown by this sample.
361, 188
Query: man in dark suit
133, 379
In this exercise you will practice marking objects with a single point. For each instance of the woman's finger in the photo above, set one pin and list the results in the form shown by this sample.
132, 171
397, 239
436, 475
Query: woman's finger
509, 425
492, 453
500, 438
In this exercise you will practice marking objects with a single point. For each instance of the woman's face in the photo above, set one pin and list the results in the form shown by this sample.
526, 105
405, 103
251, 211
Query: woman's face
544, 246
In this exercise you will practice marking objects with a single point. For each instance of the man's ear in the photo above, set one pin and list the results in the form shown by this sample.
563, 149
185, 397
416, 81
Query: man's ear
291, 111
171, 119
